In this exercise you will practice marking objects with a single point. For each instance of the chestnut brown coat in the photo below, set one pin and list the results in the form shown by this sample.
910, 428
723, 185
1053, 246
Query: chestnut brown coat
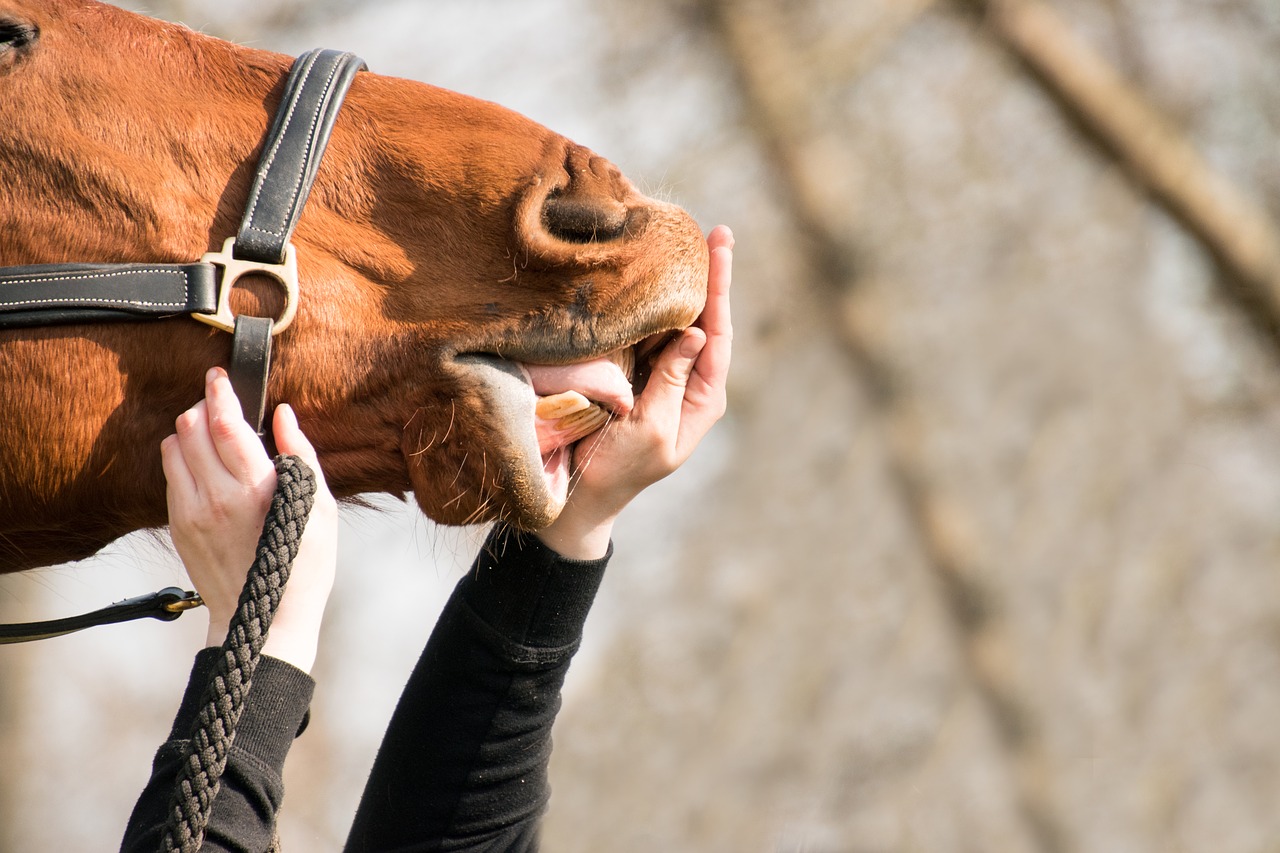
446, 239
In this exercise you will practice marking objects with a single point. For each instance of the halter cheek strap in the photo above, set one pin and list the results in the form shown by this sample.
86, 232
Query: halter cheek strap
291, 157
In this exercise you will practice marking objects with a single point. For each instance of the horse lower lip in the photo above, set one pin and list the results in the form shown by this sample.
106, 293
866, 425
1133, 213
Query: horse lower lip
508, 398
533, 450
537, 413
514, 444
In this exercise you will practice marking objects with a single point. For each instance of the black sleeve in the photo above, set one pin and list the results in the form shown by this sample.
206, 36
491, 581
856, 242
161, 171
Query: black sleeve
244, 812
463, 766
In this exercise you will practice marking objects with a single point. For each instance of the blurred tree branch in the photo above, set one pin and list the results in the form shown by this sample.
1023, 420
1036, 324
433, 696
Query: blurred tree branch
1231, 227
778, 90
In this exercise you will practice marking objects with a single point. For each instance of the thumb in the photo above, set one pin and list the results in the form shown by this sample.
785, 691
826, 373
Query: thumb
290, 439
671, 371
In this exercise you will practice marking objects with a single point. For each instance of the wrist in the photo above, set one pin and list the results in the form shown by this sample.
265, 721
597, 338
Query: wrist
578, 537
293, 638
297, 648
217, 633
219, 624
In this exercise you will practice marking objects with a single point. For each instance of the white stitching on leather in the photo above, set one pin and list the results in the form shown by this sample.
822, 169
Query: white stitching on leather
97, 300
266, 167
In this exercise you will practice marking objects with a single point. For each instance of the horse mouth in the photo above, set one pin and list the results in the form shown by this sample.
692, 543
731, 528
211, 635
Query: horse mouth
539, 414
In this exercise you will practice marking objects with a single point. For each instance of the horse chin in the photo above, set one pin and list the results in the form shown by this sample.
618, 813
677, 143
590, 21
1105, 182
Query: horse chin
476, 458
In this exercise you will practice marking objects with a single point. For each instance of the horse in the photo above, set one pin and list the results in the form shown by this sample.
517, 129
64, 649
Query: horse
460, 265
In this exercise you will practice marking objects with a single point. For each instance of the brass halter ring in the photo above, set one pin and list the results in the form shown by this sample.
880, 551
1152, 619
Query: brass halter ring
233, 268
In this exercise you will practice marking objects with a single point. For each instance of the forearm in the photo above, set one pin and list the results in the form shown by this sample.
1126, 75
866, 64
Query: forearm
463, 765
243, 816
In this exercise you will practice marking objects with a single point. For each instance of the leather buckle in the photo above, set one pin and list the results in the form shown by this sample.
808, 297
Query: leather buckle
286, 275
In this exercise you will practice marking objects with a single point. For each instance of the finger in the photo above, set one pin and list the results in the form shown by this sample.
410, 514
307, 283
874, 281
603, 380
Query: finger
196, 445
721, 235
181, 484
711, 371
237, 445
664, 394
705, 403
292, 441
715, 319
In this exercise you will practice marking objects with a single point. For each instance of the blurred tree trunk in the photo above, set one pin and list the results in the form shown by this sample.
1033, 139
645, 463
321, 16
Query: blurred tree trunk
1232, 228
774, 83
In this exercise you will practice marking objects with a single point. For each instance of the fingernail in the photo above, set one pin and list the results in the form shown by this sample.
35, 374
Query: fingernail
691, 344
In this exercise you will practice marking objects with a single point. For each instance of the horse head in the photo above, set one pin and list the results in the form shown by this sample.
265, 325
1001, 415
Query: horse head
457, 261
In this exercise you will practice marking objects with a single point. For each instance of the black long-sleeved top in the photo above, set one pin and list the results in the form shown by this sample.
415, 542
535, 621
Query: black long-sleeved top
463, 764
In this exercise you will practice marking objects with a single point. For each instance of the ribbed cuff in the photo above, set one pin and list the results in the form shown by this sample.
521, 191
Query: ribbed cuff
274, 713
530, 594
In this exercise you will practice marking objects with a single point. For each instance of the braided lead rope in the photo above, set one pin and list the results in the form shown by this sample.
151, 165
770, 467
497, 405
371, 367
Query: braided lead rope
200, 775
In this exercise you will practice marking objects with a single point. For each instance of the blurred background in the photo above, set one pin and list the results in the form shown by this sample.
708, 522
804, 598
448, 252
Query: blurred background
983, 557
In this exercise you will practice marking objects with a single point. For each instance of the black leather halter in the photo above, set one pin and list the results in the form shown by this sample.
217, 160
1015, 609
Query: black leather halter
57, 294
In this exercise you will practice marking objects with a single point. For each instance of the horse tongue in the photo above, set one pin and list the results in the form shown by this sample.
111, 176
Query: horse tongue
600, 380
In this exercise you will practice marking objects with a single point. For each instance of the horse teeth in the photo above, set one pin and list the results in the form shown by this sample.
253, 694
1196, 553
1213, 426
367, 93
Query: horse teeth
582, 423
560, 405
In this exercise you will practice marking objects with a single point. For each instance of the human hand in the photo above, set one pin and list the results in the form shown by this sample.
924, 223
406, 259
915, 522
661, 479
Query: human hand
220, 485
684, 397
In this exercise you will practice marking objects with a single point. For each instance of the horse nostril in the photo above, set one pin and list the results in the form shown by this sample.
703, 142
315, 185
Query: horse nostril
578, 220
